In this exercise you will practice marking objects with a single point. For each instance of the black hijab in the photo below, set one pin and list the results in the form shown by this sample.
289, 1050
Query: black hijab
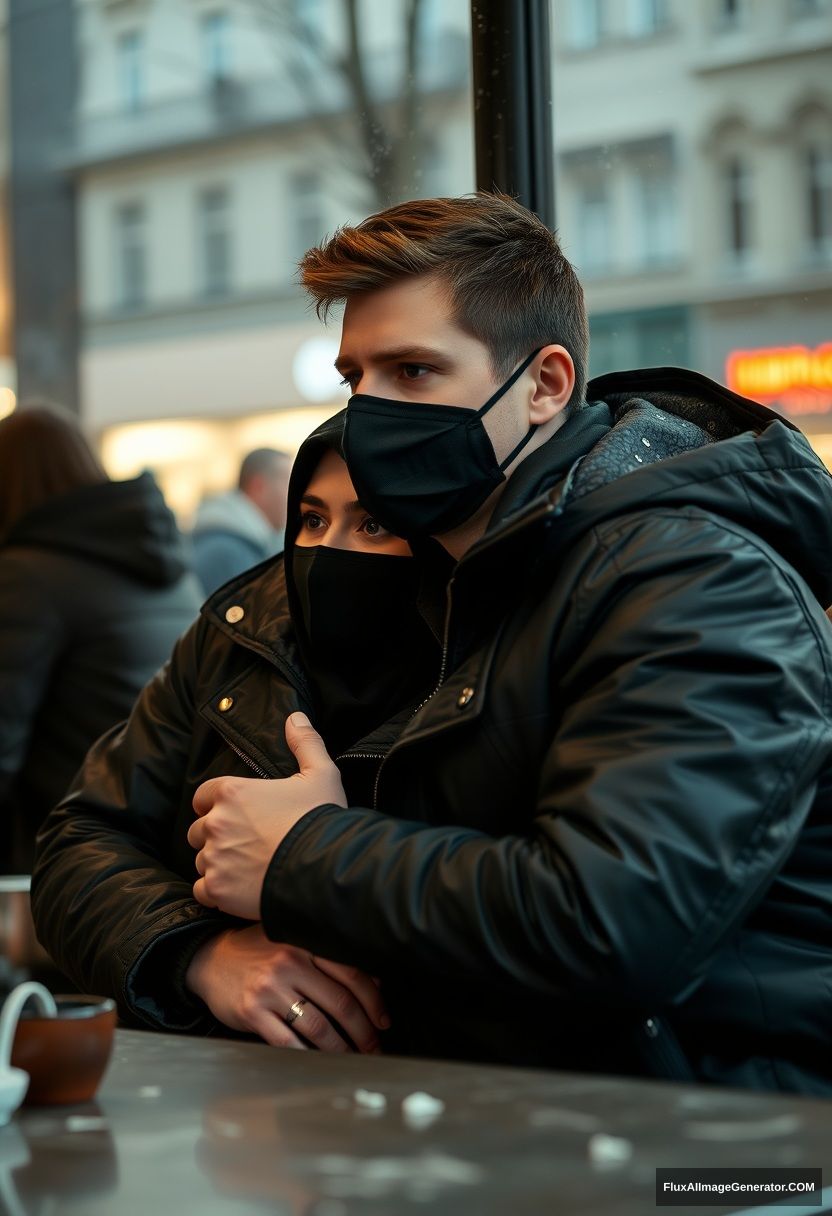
369, 654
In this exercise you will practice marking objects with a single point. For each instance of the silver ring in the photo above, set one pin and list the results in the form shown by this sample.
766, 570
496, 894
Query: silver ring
295, 1012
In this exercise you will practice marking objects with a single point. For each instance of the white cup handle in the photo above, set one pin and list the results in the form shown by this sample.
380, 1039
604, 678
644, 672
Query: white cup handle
12, 1009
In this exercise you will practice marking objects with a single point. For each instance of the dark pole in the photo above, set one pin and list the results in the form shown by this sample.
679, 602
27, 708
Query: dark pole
512, 79
42, 88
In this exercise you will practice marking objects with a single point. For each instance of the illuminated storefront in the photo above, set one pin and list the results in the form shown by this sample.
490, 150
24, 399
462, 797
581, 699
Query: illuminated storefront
795, 380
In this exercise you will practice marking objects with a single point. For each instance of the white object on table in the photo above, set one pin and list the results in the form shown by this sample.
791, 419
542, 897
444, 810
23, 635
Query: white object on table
14, 1081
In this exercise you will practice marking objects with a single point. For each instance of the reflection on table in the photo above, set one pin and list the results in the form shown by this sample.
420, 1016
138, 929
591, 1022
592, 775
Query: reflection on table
224, 1128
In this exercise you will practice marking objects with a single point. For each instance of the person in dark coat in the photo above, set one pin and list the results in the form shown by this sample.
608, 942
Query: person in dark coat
331, 630
604, 842
94, 590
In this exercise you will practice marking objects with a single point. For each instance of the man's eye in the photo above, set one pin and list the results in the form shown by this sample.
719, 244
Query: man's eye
414, 371
349, 382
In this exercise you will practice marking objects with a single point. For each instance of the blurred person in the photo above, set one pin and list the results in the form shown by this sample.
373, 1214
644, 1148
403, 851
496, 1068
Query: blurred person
329, 628
604, 843
243, 527
94, 590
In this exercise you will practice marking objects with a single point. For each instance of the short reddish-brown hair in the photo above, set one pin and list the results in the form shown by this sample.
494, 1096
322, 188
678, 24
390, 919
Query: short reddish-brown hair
510, 285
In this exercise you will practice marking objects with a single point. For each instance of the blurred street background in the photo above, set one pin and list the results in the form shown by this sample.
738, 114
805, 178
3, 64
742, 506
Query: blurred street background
164, 164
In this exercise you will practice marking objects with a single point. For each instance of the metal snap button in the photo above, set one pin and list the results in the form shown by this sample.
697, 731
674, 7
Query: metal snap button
464, 697
225, 704
235, 614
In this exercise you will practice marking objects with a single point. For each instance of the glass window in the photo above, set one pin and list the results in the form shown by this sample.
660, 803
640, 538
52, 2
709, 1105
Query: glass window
647, 17
819, 191
730, 13
131, 256
305, 18
800, 9
216, 46
658, 217
594, 214
586, 22
308, 222
214, 227
738, 201
130, 60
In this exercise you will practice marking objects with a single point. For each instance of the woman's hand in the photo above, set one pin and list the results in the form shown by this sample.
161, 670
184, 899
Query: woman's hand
251, 984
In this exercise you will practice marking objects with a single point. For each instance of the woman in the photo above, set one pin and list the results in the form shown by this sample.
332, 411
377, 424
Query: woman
93, 593
329, 628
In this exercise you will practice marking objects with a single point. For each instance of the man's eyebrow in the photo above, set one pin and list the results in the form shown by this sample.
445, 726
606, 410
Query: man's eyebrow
405, 354
311, 500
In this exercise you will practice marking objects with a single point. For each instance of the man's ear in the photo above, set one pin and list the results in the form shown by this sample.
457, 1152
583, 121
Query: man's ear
554, 373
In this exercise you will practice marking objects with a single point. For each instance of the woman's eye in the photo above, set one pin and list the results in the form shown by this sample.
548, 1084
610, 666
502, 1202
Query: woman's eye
311, 521
372, 527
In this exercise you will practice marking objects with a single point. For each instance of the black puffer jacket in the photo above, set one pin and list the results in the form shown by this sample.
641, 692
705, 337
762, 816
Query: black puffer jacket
606, 835
93, 593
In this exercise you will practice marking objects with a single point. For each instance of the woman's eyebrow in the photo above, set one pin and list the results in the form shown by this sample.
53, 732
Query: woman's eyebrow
311, 500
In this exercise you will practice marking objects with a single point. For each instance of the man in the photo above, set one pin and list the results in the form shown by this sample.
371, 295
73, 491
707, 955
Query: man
237, 530
602, 842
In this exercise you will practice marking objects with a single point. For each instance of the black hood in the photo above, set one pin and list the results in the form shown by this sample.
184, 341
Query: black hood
117, 523
666, 437
328, 437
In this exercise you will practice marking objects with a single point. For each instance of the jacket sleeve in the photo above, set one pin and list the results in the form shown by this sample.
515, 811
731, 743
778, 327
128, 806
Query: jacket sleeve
113, 914
684, 764
31, 637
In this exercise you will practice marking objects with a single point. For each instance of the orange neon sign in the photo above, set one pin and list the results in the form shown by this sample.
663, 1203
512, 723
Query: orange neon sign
799, 378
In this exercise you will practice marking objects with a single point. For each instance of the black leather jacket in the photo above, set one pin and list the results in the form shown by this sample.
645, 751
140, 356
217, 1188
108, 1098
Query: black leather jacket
604, 842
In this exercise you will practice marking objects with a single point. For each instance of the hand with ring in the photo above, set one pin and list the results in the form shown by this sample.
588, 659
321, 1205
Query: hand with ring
287, 996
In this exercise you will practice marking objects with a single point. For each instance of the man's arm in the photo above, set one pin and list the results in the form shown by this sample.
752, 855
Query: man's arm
679, 778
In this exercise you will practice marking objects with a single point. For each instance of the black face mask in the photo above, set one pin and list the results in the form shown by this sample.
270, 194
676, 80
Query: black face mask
421, 469
362, 640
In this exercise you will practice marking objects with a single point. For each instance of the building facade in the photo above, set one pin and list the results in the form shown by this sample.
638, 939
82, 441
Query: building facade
695, 189
215, 144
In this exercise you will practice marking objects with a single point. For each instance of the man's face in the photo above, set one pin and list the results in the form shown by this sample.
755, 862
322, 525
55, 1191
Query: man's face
401, 342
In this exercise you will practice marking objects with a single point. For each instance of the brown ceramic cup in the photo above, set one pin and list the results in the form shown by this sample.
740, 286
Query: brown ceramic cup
66, 1055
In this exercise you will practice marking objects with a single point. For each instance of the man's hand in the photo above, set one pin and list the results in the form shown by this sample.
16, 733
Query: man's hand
250, 984
242, 821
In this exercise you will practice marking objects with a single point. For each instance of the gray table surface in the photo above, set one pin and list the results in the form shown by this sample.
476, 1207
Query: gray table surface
185, 1125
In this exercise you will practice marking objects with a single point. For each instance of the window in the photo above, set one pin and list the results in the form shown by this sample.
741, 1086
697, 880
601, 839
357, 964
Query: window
801, 9
307, 211
131, 256
586, 23
130, 60
647, 17
658, 218
214, 229
594, 244
819, 196
216, 47
738, 201
730, 14
306, 16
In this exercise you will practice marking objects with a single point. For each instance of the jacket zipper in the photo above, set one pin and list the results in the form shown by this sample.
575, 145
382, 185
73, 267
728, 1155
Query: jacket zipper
248, 760
548, 509
445, 641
